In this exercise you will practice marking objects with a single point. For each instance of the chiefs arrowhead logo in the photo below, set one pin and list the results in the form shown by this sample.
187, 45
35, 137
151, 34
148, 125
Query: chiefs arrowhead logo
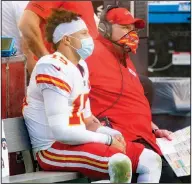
58, 68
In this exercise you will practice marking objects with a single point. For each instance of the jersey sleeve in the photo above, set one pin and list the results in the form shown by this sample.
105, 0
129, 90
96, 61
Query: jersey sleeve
57, 111
42, 8
52, 76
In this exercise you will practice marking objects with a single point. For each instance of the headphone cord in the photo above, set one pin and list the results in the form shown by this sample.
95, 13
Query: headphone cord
121, 91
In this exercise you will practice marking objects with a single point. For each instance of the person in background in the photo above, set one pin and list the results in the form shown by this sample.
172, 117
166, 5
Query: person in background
57, 108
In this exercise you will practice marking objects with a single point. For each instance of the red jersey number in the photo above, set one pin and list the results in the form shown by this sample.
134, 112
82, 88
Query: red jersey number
77, 116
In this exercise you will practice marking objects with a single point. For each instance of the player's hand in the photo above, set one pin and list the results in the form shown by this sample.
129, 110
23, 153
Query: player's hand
95, 120
118, 145
91, 120
121, 139
92, 123
163, 133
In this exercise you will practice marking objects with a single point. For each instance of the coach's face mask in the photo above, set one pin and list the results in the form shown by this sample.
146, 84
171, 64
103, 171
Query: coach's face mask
130, 40
87, 47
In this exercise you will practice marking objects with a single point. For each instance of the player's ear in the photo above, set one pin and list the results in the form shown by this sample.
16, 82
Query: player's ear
66, 40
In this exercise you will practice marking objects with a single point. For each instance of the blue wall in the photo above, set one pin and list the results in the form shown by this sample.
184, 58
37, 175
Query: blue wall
176, 13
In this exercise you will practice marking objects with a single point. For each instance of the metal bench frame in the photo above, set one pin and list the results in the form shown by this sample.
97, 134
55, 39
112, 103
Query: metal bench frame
18, 140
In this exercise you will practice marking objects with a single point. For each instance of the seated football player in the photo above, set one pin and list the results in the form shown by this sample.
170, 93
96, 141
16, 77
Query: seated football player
57, 108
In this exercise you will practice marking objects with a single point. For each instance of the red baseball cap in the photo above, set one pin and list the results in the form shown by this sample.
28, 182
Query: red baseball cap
123, 16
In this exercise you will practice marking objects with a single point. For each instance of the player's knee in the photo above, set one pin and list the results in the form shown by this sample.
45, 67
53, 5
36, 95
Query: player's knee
119, 157
120, 168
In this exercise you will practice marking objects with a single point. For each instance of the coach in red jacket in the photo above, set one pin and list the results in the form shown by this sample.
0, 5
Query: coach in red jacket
116, 91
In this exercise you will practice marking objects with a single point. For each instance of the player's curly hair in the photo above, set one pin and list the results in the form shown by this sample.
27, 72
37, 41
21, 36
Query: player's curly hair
57, 17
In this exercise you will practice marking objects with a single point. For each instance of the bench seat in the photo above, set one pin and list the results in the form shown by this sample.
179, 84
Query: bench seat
17, 139
41, 177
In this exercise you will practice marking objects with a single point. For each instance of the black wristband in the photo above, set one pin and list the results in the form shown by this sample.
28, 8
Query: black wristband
111, 141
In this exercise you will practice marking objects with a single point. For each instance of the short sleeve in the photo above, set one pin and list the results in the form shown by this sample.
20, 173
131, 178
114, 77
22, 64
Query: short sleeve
49, 76
42, 8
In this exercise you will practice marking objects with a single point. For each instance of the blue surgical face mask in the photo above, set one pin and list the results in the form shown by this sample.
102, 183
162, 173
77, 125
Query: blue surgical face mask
87, 47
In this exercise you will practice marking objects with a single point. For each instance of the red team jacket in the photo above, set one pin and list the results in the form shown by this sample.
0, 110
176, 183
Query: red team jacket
132, 114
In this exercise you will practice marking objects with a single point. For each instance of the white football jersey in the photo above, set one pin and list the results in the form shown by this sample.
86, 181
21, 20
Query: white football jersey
57, 73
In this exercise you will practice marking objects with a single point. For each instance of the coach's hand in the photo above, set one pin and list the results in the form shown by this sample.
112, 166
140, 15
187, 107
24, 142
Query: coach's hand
163, 133
117, 144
